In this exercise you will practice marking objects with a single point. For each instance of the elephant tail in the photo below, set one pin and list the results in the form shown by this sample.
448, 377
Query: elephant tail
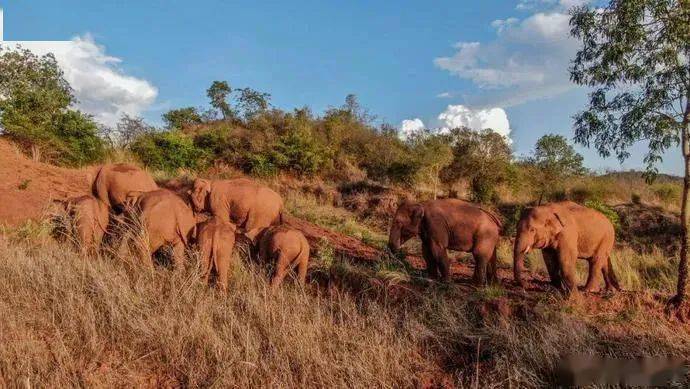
611, 275
493, 217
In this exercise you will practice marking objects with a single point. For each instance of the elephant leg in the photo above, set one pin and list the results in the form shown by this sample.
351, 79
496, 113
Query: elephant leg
552, 266
596, 271
440, 255
610, 276
483, 254
566, 259
282, 267
206, 262
492, 270
222, 264
178, 255
431, 264
302, 267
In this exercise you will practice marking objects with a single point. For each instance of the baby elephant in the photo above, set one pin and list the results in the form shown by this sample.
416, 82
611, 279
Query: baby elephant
286, 248
88, 218
216, 240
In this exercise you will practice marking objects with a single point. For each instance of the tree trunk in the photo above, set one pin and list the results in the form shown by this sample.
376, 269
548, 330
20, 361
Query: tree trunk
679, 300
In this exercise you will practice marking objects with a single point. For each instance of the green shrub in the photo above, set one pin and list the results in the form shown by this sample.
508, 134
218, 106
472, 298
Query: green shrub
35, 111
168, 150
609, 212
299, 153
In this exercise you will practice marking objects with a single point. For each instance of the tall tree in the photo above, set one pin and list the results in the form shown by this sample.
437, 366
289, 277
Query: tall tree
554, 160
250, 102
36, 110
480, 157
218, 92
177, 119
433, 153
635, 56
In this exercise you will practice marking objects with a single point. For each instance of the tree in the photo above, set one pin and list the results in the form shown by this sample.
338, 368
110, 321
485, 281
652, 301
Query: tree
635, 56
35, 111
554, 160
177, 119
129, 128
218, 92
433, 153
481, 157
251, 102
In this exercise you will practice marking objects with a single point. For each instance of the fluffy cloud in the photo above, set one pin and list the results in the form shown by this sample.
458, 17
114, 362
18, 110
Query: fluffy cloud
100, 86
409, 127
477, 119
528, 59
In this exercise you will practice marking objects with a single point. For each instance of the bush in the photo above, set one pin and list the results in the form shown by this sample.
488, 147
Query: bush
609, 212
667, 192
299, 153
169, 151
35, 113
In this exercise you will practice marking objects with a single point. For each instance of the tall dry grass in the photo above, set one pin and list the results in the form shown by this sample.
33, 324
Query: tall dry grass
68, 320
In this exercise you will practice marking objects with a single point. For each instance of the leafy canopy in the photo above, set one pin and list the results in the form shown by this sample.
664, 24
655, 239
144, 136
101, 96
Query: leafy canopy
35, 111
634, 56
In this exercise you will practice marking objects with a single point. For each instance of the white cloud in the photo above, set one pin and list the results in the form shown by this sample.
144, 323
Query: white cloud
476, 119
528, 59
409, 127
101, 87
444, 95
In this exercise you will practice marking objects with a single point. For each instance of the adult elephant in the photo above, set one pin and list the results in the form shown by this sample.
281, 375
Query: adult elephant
566, 231
165, 219
449, 224
246, 203
114, 181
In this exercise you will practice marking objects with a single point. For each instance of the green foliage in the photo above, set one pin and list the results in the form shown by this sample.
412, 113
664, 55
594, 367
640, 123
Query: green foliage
483, 158
299, 153
177, 119
168, 151
251, 102
218, 93
433, 153
35, 111
609, 212
634, 55
552, 162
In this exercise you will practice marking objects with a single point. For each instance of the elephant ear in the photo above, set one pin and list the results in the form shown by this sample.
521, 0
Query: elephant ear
417, 214
557, 222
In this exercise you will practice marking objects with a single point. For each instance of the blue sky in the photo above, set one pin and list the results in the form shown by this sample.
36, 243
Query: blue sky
497, 62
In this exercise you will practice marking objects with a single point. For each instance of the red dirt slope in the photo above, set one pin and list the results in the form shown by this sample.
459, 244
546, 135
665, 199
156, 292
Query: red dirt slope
27, 187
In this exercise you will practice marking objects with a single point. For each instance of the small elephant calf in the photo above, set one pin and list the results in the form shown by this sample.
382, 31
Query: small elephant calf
286, 248
216, 241
88, 218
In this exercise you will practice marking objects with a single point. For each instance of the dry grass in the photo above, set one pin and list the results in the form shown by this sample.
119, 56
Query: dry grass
74, 321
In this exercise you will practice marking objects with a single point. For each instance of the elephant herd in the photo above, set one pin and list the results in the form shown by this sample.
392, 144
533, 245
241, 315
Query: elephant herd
126, 195
123, 194
563, 231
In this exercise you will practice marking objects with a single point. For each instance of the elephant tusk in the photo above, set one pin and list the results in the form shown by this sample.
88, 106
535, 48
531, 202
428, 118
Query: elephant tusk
527, 249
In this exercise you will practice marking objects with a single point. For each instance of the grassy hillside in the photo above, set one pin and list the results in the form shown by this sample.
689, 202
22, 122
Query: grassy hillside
71, 321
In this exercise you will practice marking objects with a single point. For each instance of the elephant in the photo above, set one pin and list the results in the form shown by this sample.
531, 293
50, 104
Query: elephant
247, 204
216, 239
449, 224
114, 181
165, 219
566, 231
88, 218
286, 248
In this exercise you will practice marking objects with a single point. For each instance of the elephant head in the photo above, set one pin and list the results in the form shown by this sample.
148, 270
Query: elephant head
537, 229
405, 224
199, 194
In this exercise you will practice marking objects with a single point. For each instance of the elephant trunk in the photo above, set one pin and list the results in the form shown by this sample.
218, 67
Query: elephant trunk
394, 239
521, 248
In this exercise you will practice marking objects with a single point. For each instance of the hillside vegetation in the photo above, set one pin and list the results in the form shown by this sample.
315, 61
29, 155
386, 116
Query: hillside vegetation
366, 318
